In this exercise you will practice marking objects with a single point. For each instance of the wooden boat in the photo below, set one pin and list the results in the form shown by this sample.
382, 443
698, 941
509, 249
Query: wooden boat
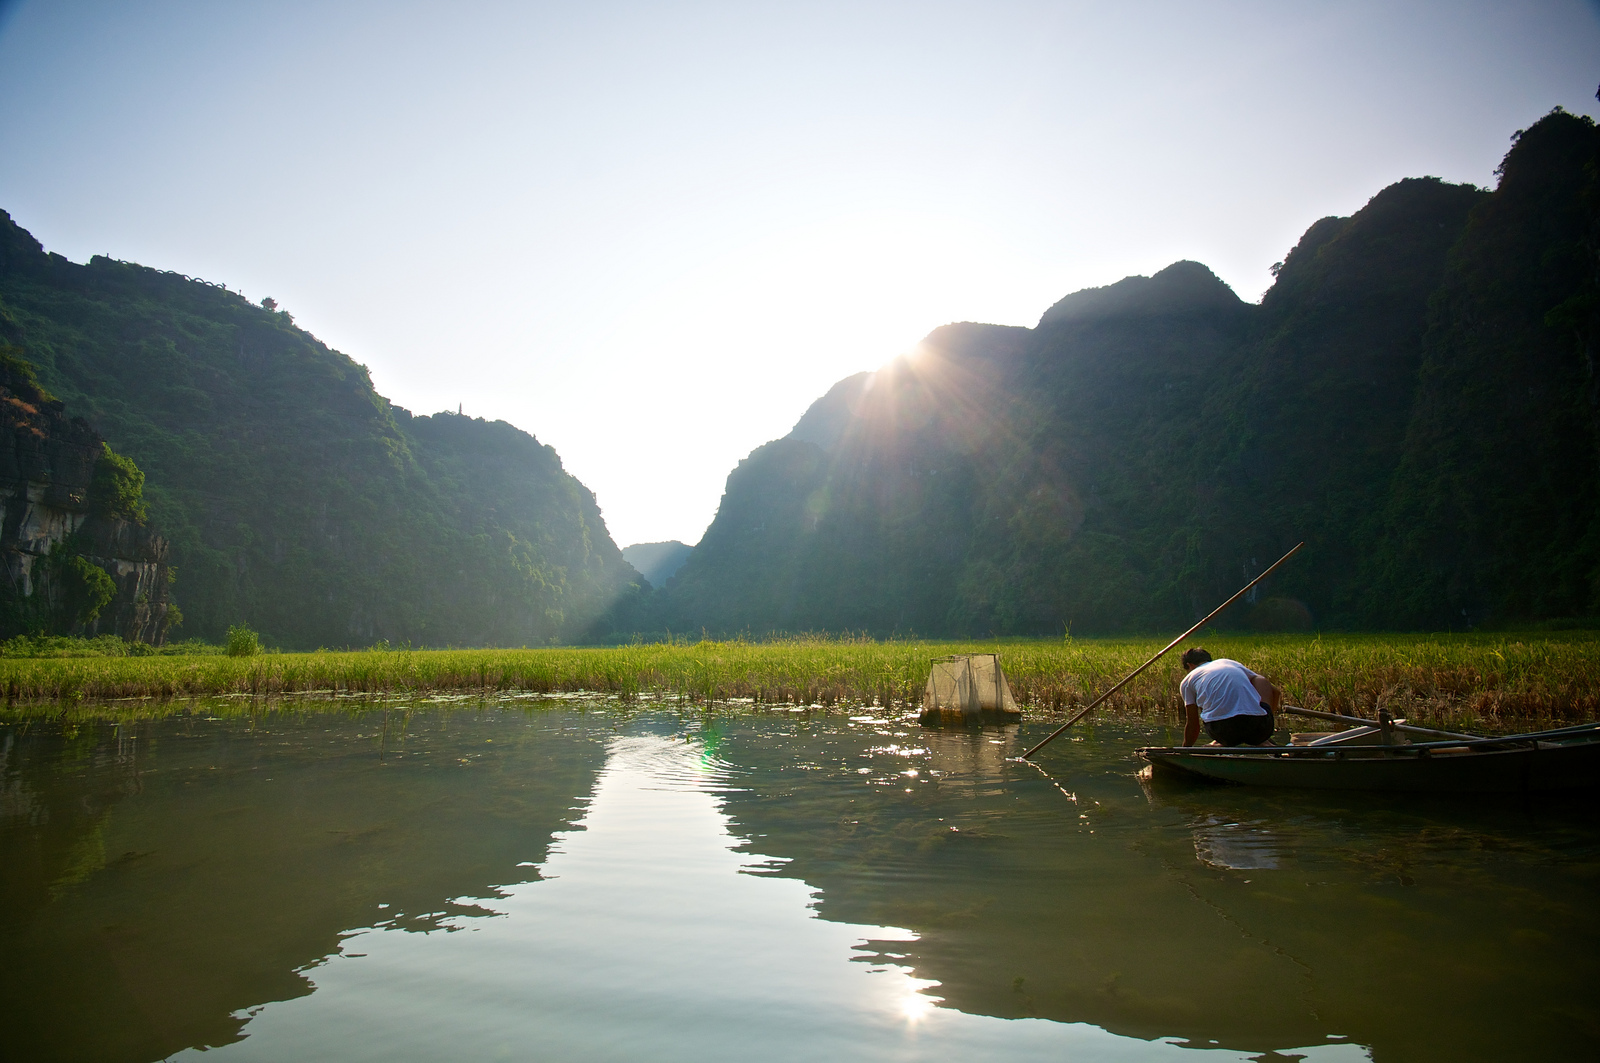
1561, 759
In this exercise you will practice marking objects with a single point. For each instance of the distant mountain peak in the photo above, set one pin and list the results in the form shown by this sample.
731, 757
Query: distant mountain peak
825, 420
1182, 288
657, 562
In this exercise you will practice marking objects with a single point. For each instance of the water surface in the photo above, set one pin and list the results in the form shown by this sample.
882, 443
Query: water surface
590, 882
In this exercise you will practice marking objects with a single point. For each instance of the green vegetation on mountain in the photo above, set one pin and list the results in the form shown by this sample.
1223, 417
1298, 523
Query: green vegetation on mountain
76, 555
295, 498
1416, 397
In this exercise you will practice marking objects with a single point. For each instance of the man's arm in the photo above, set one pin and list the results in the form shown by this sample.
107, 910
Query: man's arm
1191, 724
1269, 693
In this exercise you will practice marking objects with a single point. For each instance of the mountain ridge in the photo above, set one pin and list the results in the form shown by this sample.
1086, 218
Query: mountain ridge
294, 497
1153, 443
657, 562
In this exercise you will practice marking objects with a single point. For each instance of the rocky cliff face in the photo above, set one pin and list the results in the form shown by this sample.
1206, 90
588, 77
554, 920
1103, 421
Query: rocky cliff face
60, 524
296, 498
1415, 399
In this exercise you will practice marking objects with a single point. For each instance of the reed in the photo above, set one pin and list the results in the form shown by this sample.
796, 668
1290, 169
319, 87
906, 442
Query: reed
1482, 680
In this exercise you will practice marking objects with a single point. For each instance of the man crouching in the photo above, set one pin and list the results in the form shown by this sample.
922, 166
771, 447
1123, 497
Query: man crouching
1235, 704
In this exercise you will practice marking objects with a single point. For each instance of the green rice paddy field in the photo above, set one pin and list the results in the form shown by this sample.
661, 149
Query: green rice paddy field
1487, 680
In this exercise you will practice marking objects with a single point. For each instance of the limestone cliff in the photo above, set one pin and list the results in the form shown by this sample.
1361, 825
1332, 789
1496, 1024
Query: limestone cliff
76, 555
1414, 398
295, 498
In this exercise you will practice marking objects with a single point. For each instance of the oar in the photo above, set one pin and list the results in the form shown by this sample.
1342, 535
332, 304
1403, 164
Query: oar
1357, 721
1158, 656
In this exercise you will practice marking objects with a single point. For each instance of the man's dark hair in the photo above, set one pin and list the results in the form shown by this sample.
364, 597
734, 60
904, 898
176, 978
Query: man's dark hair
1195, 657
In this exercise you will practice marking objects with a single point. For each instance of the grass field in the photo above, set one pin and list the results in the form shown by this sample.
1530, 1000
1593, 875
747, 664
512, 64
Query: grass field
1489, 681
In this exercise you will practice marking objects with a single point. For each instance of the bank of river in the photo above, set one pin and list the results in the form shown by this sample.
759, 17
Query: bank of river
1497, 682
599, 881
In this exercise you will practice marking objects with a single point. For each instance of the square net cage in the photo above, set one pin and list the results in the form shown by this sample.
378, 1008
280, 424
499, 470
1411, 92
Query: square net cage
968, 687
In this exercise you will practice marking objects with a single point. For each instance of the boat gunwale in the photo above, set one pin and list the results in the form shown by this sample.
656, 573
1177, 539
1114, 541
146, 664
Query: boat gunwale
1528, 742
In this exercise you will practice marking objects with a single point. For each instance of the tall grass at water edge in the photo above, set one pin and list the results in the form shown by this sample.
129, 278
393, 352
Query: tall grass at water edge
1488, 681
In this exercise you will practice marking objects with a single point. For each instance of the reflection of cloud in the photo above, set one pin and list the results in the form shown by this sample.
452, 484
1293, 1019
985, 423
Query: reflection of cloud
1232, 846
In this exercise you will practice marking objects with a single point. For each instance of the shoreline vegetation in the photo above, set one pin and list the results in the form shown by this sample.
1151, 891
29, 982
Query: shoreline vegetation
1488, 681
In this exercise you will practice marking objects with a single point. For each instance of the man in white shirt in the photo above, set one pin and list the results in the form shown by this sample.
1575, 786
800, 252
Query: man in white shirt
1235, 704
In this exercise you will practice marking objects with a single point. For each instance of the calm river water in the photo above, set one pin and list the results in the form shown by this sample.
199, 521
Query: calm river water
564, 881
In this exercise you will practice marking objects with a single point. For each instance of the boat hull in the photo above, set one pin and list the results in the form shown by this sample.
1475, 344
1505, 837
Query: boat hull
1552, 760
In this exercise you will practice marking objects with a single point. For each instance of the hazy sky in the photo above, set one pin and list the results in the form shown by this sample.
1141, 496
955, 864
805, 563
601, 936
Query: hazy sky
651, 234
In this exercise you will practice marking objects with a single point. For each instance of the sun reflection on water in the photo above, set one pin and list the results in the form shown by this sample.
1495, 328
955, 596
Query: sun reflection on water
916, 1007
763, 886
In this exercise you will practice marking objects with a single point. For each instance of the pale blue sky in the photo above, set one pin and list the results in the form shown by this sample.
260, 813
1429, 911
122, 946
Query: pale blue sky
652, 234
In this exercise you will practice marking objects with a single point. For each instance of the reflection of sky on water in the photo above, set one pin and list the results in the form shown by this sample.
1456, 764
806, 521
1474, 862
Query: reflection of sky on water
364, 884
648, 937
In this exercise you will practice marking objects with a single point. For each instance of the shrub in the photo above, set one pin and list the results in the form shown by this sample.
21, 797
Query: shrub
242, 642
79, 589
118, 487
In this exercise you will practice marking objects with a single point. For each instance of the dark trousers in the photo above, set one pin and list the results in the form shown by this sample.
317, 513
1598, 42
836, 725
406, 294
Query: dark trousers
1249, 730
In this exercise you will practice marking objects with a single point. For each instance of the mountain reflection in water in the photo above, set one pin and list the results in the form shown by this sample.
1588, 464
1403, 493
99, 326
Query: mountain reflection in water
608, 884
161, 878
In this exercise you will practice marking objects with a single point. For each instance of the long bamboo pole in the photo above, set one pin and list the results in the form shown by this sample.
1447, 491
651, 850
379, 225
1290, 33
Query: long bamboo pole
1359, 722
1127, 678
